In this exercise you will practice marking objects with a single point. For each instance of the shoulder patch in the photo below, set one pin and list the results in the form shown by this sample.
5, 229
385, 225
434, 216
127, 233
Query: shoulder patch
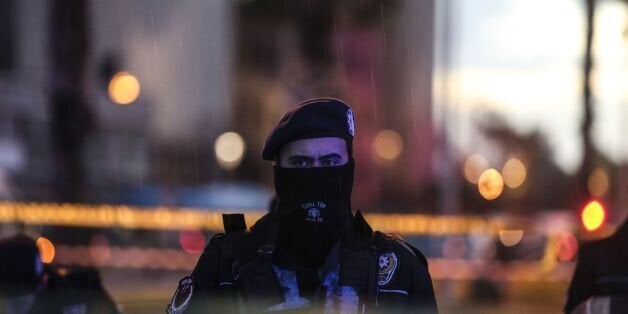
182, 296
350, 122
387, 265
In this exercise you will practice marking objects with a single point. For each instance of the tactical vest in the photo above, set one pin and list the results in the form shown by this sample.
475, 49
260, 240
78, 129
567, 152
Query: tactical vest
247, 279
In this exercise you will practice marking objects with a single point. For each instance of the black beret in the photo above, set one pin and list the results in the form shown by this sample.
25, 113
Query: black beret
320, 117
20, 266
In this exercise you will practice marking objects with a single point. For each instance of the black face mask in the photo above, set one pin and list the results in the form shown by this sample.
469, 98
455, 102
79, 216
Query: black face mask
313, 211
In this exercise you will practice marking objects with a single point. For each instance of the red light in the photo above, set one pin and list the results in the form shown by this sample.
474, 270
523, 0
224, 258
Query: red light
99, 249
192, 241
567, 247
593, 216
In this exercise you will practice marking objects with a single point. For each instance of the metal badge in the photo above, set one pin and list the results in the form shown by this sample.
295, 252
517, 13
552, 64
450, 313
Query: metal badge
182, 296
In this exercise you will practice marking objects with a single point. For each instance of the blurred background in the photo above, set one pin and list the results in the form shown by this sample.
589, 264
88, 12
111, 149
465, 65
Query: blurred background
488, 133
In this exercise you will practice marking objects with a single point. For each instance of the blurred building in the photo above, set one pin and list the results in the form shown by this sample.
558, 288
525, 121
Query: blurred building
201, 69
377, 55
179, 52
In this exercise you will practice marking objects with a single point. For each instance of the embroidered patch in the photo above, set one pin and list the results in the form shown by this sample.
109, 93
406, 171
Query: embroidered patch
350, 122
182, 296
387, 263
313, 213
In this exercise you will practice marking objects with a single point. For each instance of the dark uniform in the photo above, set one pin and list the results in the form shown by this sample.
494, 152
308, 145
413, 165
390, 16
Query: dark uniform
602, 270
27, 286
73, 290
232, 275
310, 254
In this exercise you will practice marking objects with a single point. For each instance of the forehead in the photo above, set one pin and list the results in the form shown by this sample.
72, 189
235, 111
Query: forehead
315, 146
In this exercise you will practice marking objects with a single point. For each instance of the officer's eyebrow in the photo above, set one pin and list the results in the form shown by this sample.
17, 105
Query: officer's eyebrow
331, 155
300, 157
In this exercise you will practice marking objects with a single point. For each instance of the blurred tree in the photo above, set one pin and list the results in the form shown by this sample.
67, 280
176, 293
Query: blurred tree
592, 157
588, 157
546, 186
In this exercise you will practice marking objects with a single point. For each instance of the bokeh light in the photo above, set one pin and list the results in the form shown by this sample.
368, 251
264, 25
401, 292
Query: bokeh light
514, 173
99, 249
229, 148
593, 216
473, 168
598, 182
510, 237
192, 241
490, 184
124, 88
46, 250
387, 145
566, 247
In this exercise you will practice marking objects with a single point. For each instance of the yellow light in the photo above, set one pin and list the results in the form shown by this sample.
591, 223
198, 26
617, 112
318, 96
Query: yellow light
161, 218
229, 149
598, 182
387, 145
490, 184
46, 250
124, 88
473, 167
593, 216
514, 172
510, 237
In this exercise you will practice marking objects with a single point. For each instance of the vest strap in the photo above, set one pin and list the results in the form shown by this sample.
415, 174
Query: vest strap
233, 223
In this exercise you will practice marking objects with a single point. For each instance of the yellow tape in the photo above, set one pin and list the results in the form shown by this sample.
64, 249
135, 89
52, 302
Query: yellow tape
167, 218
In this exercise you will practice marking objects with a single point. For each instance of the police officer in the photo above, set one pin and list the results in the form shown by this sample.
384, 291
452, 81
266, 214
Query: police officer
310, 253
601, 271
29, 287
21, 273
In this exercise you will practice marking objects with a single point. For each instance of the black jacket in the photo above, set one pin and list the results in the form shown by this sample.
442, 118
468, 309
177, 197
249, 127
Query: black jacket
235, 273
602, 269
73, 290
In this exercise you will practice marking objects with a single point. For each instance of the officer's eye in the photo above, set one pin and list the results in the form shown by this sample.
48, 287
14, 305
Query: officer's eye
299, 163
329, 163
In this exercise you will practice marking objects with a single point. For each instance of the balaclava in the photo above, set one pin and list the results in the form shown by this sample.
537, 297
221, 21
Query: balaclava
314, 206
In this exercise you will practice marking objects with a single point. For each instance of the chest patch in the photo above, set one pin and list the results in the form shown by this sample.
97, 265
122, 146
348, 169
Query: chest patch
387, 265
313, 211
